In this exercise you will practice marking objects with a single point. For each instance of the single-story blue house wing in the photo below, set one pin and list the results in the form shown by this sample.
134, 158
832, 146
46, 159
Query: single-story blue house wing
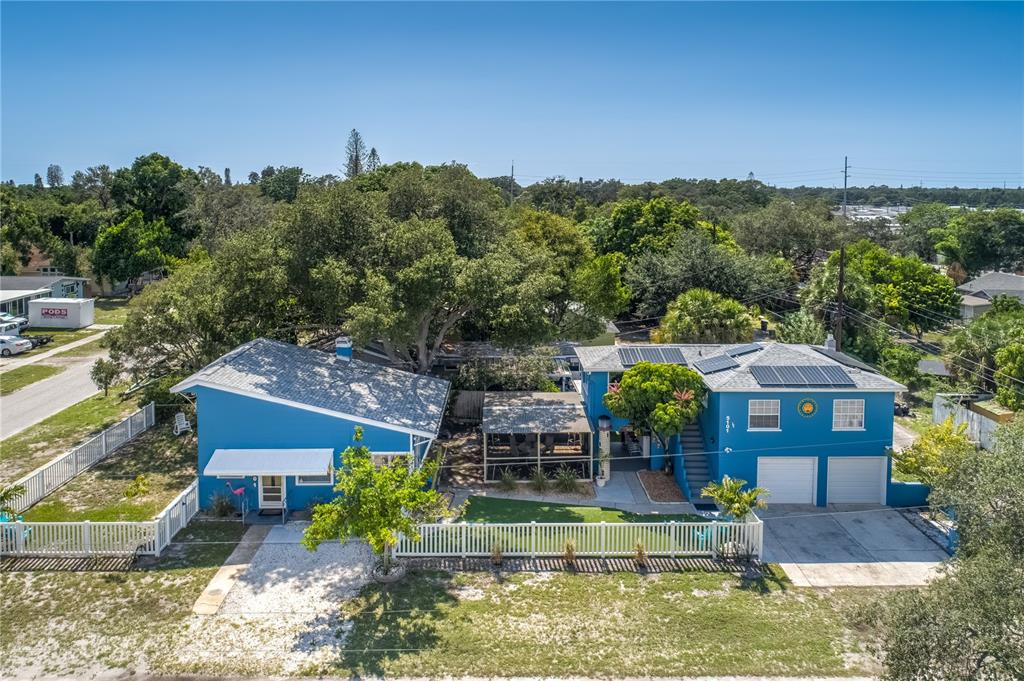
273, 419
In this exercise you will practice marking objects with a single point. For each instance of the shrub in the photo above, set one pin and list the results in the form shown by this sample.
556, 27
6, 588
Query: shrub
569, 551
539, 480
222, 506
640, 554
508, 481
565, 480
137, 487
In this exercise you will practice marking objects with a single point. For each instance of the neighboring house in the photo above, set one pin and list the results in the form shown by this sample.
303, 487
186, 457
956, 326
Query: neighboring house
978, 293
27, 288
273, 418
809, 424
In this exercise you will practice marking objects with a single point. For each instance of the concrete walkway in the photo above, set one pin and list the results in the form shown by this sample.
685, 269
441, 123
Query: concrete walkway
39, 400
216, 591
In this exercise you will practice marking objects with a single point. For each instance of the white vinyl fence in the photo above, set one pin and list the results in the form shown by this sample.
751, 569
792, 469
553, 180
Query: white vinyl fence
604, 540
53, 474
84, 539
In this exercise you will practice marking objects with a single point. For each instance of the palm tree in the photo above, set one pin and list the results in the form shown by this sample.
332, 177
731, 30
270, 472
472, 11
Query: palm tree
734, 500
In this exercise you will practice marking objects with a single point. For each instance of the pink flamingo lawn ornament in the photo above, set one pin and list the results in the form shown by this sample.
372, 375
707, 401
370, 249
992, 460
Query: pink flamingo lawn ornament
237, 492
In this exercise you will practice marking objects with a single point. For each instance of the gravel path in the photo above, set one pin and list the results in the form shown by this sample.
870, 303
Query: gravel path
281, 614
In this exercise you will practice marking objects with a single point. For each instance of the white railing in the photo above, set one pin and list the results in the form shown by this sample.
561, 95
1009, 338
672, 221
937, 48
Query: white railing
85, 538
56, 472
604, 540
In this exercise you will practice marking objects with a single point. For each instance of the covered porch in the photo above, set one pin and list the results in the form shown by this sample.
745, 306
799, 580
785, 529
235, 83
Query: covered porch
267, 484
526, 431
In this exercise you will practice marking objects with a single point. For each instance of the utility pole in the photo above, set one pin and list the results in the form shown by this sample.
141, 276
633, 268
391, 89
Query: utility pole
839, 299
512, 184
846, 172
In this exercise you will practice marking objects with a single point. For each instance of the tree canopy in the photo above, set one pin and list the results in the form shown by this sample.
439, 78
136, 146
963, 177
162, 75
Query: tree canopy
659, 399
702, 316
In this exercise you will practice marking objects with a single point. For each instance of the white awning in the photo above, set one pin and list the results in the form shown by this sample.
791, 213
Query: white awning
236, 462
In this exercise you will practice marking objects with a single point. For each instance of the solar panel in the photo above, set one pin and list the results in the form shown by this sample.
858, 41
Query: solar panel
743, 350
791, 376
837, 376
710, 365
650, 353
814, 375
628, 356
801, 376
765, 376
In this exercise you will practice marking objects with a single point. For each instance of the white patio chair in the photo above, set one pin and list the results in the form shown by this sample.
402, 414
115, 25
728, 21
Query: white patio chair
181, 424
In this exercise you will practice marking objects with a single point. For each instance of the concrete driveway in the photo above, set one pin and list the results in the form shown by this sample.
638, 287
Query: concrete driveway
848, 546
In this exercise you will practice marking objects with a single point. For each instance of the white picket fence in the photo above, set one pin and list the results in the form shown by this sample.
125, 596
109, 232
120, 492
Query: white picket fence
85, 538
604, 540
56, 472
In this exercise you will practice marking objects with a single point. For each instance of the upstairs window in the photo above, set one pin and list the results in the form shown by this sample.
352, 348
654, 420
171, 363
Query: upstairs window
763, 415
848, 415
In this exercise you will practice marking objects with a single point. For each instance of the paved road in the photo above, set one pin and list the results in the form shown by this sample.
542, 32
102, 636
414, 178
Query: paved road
35, 402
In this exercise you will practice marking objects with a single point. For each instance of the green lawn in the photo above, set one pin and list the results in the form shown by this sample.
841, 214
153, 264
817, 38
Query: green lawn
168, 463
68, 622
16, 379
32, 447
489, 509
110, 310
604, 625
91, 348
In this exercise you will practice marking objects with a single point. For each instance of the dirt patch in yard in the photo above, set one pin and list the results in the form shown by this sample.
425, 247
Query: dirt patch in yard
661, 488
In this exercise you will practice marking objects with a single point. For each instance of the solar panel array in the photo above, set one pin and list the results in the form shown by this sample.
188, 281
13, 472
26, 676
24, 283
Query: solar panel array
801, 376
650, 353
743, 350
710, 365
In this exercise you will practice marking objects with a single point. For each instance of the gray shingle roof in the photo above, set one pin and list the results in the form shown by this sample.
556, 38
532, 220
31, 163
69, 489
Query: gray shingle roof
525, 412
272, 370
606, 358
995, 283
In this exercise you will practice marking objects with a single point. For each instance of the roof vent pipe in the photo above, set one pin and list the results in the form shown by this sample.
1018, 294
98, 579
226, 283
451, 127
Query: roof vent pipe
343, 348
830, 342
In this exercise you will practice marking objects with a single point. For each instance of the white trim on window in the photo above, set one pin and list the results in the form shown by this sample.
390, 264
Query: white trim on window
767, 414
314, 480
847, 414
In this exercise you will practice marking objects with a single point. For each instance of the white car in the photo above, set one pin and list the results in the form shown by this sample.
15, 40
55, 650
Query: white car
13, 345
6, 317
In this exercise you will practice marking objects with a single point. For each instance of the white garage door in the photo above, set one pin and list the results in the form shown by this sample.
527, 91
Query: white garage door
856, 480
788, 479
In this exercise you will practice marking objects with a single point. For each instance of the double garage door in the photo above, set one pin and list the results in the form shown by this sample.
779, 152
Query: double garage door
851, 479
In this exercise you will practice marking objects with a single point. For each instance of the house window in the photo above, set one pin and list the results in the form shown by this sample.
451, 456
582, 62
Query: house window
848, 415
763, 415
311, 480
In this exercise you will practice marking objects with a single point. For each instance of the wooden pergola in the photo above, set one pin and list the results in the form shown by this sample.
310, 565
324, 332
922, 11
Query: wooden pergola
525, 431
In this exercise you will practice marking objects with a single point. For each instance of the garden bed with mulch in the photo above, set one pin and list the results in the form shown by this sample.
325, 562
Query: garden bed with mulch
661, 488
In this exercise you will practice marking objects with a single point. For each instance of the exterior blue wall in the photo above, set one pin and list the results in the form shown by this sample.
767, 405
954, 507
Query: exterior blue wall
229, 421
799, 435
906, 494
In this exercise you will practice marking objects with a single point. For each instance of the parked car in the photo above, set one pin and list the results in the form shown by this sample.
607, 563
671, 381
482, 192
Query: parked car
37, 340
10, 329
7, 317
13, 345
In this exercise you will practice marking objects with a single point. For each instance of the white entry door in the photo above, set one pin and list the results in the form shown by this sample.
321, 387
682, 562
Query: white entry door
788, 479
271, 491
856, 479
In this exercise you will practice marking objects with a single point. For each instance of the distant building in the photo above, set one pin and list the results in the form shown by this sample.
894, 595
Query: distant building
978, 293
16, 291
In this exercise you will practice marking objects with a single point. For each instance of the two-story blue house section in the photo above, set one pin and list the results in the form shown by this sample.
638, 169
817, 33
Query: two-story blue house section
807, 423
273, 419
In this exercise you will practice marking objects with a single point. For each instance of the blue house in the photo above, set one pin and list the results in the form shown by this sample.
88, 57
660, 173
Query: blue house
809, 424
273, 419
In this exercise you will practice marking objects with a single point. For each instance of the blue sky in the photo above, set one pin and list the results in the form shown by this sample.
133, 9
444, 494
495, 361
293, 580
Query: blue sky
913, 93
